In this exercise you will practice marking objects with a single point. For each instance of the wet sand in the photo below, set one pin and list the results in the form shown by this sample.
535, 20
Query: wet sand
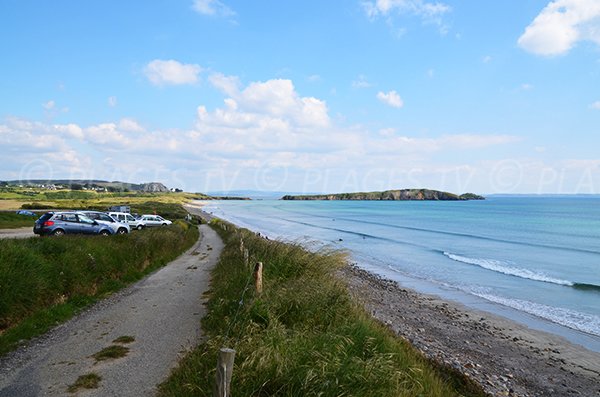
505, 358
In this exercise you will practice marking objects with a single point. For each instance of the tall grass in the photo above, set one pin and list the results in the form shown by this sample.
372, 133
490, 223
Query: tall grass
46, 280
304, 336
11, 220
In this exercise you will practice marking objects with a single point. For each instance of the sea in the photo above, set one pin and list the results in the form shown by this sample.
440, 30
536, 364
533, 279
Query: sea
535, 260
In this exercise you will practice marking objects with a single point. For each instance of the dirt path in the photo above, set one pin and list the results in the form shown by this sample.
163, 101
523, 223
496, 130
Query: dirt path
162, 313
22, 232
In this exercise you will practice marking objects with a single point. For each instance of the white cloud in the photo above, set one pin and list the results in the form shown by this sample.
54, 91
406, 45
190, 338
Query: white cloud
49, 105
361, 82
264, 129
130, 125
429, 12
70, 130
561, 25
212, 8
418, 7
486, 59
112, 101
171, 72
595, 105
276, 98
227, 84
391, 98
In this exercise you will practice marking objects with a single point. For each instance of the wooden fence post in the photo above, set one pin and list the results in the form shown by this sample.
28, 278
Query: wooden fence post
246, 256
224, 372
258, 282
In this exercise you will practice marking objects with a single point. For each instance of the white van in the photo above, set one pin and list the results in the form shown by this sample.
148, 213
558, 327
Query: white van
124, 217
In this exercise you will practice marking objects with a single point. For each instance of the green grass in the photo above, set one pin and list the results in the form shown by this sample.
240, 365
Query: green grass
111, 352
44, 281
87, 381
304, 336
125, 339
11, 220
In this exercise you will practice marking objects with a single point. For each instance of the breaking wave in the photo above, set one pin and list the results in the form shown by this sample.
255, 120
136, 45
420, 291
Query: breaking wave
506, 268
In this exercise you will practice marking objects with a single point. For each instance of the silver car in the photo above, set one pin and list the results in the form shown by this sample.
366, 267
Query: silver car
154, 220
101, 217
127, 218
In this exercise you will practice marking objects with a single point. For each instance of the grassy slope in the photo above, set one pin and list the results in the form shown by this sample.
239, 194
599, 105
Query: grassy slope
303, 336
166, 204
40, 199
44, 281
11, 220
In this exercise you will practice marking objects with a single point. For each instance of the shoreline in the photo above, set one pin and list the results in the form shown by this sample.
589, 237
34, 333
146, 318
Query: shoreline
503, 356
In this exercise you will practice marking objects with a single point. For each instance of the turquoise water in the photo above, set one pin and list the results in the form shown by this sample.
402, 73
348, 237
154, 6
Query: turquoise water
536, 256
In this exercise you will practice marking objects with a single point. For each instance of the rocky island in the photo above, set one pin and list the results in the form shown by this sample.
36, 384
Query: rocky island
399, 195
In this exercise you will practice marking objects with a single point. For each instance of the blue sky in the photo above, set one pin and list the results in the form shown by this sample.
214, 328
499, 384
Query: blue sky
311, 96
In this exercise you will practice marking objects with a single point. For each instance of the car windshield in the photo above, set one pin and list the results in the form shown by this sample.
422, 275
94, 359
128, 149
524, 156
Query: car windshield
85, 219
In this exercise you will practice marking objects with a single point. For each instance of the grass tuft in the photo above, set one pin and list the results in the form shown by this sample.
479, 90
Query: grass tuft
87, 381
111, 352
125, 339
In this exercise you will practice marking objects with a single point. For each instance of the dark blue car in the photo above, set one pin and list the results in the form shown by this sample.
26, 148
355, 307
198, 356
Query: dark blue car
26, 212
60, 223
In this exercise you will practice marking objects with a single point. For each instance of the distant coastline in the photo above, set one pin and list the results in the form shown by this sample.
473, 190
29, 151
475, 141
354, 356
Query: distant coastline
391, 195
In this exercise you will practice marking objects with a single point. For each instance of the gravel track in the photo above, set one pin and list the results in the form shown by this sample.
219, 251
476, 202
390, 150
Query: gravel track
162, 312
21, 232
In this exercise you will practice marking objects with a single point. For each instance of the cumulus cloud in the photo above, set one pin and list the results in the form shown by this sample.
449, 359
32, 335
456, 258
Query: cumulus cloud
561, 25
265, 131
595, 105
376, 8
171, 72
70, 130
276, 98
130, 125
429, 12
212, 8
391, 99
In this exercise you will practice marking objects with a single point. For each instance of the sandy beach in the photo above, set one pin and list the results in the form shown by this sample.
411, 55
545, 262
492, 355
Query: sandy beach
505, 358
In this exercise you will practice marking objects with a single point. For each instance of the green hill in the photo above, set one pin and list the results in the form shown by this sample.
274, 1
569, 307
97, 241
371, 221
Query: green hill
399, 195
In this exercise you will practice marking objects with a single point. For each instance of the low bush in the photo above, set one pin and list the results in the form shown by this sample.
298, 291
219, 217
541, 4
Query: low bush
303, 336
46, 280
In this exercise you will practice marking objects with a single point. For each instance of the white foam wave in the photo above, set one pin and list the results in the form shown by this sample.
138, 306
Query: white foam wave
505, 268
569, 318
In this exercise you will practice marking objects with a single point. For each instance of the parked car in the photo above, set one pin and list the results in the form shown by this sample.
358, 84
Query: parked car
101, 217
154, 220
26, 212
129, 219
60, 223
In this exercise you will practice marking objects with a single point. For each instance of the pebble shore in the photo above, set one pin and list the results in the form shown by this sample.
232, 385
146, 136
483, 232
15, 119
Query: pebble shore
503, 357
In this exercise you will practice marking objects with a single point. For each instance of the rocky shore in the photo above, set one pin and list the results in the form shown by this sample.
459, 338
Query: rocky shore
505, 358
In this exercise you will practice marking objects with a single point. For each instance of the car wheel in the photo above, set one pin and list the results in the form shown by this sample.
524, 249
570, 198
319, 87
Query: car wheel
104, 233
140, 227
164, 224
58, 232
122, 231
